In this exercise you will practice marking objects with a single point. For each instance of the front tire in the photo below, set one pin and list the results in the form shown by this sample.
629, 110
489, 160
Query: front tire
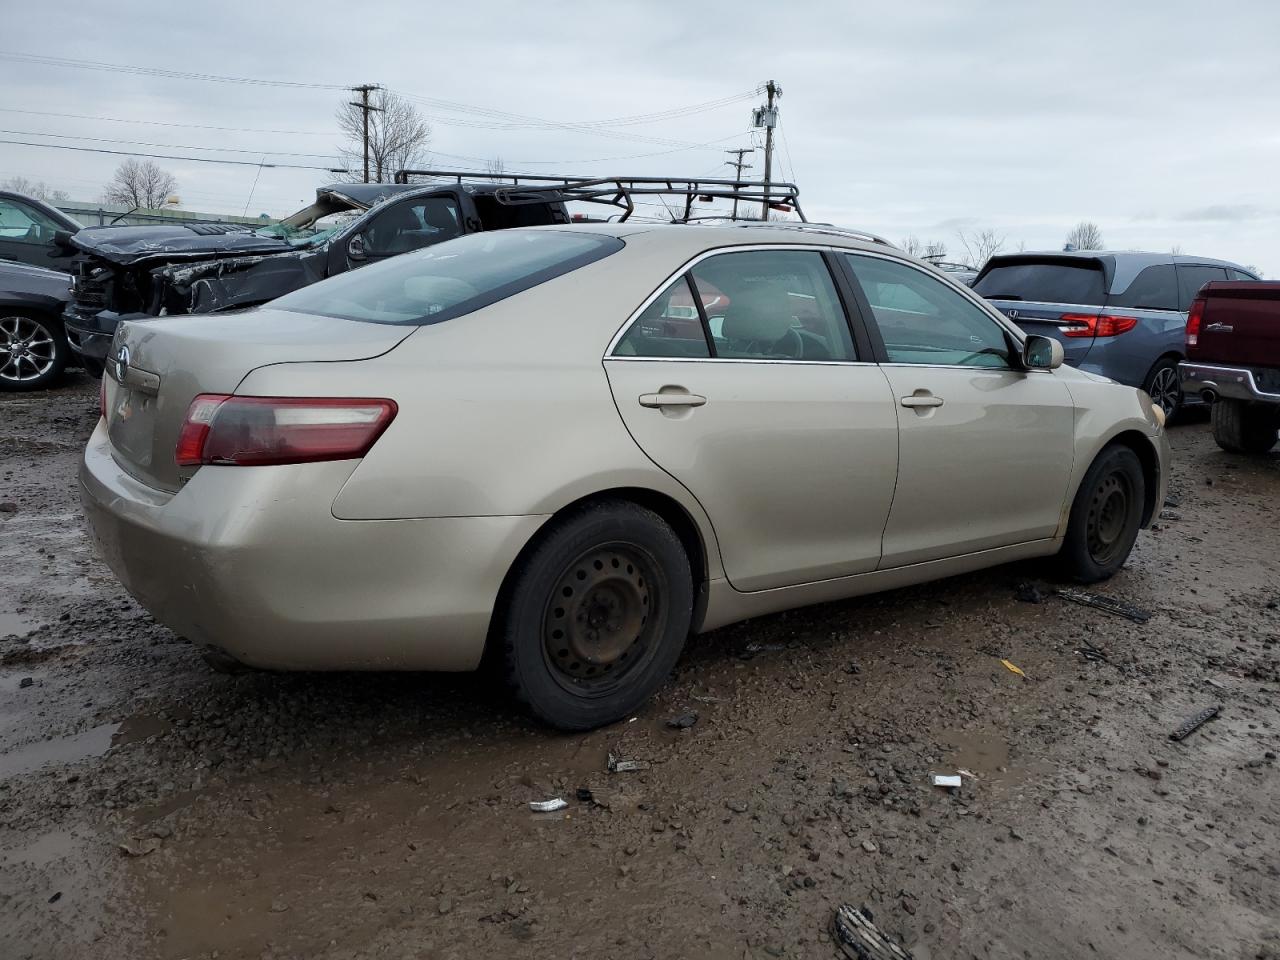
1240, 427
597, 616
1105, 516
33, 351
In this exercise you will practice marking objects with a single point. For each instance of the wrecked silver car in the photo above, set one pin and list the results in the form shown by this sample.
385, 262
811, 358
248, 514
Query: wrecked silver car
130, 273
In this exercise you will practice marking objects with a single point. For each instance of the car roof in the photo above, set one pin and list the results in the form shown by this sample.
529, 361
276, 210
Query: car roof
692, 237
368, 194
1124, 265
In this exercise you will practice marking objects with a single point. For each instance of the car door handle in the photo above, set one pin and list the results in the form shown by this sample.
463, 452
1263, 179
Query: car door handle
918, 401
671, 400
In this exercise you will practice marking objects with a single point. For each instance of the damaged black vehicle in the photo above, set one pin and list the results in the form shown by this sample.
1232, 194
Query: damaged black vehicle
130, 273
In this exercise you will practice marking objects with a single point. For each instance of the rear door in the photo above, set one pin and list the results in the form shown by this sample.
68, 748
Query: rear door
763, 408
985, 448
1048, 296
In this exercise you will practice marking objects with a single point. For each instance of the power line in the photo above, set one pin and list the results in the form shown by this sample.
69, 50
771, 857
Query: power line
164, 123
167, 146
166, 156
158, 71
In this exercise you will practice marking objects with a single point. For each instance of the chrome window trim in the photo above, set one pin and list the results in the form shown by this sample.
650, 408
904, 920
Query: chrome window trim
798, 363
704, 255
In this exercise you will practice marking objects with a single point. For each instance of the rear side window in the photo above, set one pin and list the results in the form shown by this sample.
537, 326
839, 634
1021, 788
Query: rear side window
1191, 278
669, 327
1241, 275
450, 279
1155, 288
1044, 281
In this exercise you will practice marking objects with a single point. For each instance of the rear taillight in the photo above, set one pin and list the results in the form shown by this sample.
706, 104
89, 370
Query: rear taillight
1092, 325
1194, 319
257, 431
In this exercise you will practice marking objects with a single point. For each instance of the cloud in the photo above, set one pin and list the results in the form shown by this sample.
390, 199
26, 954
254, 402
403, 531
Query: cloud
1231, 212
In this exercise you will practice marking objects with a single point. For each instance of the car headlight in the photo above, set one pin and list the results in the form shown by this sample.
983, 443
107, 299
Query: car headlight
1157, 412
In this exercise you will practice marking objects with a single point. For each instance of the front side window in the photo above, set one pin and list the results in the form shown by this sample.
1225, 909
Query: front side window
1155, 288
772, 305
23, 224
412, 225
923, 320
449, 279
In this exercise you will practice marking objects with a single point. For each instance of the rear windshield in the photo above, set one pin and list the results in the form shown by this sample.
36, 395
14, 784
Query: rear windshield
1050, 281
451, 278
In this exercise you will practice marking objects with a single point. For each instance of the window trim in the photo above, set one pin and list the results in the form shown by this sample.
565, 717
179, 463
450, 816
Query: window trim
687, 268
880, 351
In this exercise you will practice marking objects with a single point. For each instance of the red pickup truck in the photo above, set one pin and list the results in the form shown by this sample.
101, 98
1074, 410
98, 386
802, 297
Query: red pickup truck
1233, 361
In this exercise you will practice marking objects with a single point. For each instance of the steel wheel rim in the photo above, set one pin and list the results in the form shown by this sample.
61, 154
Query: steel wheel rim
602, 618
1165, 389
27, 350
1109, 509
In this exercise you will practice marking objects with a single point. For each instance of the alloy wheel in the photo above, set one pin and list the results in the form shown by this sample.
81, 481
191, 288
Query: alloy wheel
27, 350
1165, 390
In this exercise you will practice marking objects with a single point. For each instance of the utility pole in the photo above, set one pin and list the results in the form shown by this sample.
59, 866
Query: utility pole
738, 165
767, 117
364, 90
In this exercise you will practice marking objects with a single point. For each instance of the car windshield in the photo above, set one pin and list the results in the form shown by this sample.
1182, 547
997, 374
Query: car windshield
1044, 281
451, 278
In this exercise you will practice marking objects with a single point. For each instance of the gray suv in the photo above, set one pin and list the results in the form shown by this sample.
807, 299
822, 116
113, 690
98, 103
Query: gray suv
1119, 314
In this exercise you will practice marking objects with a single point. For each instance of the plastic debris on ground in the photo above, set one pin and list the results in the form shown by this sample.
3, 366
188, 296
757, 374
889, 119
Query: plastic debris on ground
618, 765
1195, 722
947, 780
684, 721
1013, 668
855, 932
134, 847
584, 795
1106, 604
547, 806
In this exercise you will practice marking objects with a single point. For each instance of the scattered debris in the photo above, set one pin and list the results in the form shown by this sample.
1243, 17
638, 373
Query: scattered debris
1028, 592
1215, 684
1107, 604
1170, 515
684, 721
860, 939
1013, 668
1193, 723
1172, 501
24, 683
584, 795
946, 780
618, 765
709, 699
547, 806
737, 806
56, 897
8, 507
764, 647
1091, 652
133, 847
870, 846
966, 773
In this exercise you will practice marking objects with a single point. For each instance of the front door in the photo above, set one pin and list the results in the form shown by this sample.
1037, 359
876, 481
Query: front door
985, 447
740, 379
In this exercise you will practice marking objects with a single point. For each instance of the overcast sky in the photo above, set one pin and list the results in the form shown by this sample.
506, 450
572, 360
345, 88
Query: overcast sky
1159, 121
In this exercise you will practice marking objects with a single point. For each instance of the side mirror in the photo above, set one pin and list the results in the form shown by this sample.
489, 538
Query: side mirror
62, 240
1041, 353
355, 248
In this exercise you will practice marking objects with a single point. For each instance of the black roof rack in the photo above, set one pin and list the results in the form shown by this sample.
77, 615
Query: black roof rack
620, 192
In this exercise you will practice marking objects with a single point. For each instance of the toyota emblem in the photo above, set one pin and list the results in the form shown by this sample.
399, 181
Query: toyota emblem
122, 364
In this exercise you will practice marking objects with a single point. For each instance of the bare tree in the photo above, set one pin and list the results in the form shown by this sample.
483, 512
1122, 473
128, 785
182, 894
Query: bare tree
1085, 236
934, 250
495, 167
35, 188
141, 184
980, 245
912, 246
1255, 271
398, 137
1176, 249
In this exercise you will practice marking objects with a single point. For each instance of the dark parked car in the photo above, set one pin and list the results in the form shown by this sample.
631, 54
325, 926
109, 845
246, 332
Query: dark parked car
30, 229
1233, 362
134, 272
1122, 315
33, 345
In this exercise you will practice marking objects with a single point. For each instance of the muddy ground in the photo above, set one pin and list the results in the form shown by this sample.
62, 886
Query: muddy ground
335, 816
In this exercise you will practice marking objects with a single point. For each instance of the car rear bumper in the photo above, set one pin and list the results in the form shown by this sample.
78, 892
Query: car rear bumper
1212, 381
252, 561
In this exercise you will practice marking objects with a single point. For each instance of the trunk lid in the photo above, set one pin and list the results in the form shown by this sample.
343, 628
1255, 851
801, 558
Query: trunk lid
156, 367
1240, 325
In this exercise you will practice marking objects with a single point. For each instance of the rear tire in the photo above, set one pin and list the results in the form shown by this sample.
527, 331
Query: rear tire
33, 350
1105, 516
1241, 427
1164, 387
597, 616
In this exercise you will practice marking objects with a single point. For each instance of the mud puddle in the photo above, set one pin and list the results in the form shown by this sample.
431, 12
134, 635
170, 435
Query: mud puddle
93, 742
16, 624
